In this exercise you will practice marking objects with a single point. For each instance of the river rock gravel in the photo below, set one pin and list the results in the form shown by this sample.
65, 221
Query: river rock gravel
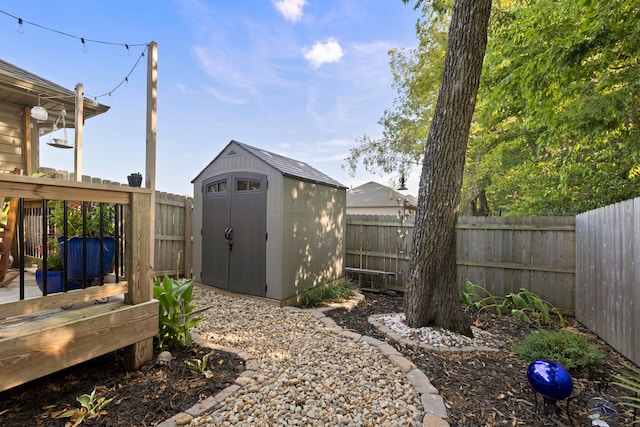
307, 374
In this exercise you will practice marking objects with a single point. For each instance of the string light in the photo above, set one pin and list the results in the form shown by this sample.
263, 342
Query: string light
82, 39
84, 42
126, 78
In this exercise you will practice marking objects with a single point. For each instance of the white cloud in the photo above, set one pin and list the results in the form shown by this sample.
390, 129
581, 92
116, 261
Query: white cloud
183, 88
290, 9
235, 100
324, 53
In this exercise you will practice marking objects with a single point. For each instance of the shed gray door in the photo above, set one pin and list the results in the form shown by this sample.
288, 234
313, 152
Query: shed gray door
234, 232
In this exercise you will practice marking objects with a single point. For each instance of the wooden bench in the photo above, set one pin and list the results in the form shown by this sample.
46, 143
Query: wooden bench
360, 271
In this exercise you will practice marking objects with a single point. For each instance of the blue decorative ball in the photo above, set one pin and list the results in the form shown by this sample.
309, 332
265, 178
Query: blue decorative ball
550, 379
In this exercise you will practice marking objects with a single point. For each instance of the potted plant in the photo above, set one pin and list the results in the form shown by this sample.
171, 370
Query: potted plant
54, 275
92, 240
135, 179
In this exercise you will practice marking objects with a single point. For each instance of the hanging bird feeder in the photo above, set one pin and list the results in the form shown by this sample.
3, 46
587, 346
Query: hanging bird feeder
58, 142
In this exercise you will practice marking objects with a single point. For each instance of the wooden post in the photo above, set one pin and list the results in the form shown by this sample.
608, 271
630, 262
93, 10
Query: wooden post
152, 101
138, 266
27, 163
141, 230
77, 146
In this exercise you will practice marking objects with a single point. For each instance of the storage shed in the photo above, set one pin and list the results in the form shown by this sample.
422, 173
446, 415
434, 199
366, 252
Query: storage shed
267, 225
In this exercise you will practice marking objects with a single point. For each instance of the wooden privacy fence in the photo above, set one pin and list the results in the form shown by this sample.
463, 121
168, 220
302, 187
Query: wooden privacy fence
502, 254
173, 235
173, 245
608, 275
377, 250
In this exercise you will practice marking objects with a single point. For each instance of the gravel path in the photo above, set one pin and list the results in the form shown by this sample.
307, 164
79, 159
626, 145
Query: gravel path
307, 370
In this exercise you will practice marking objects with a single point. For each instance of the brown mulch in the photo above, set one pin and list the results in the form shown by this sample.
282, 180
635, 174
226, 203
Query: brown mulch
479, 389
142, 398
491, 388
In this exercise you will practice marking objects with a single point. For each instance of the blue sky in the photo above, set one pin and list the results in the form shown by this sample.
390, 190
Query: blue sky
300, 78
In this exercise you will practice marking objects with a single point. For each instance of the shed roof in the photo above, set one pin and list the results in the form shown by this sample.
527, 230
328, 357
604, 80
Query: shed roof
373, 194
21, 87
285, 165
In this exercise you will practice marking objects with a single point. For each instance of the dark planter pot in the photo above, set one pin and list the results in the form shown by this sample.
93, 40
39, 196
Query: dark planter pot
54, 282
95, 267
134, 180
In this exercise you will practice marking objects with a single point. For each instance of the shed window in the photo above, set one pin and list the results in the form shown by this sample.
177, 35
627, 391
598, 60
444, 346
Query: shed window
217, 187
247, 185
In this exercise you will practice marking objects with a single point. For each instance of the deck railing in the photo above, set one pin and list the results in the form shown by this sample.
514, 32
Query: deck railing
173, 213
61, 338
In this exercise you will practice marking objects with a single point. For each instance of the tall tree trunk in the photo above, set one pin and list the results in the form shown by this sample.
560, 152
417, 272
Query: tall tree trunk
431, 297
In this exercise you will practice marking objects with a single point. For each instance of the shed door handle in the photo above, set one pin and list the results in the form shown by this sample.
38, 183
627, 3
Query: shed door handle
228, 234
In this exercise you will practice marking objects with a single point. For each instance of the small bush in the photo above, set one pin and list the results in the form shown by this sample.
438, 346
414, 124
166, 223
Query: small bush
571, 350
325, 294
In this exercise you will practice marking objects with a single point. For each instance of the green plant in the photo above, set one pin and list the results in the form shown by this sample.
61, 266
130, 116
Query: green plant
177, 313
571, 350
54, 259
332, 293
472, 298
524, 305
135, 174
201, 366
98, 215
90, 408
629, 379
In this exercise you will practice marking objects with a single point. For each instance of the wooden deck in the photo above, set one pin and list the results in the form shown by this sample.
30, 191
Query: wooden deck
11, 292
38, 336
89, 325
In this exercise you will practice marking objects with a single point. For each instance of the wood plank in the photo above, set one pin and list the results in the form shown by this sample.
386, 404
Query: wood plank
516, 266
168, 202
165, 237
540, 227
63, 299
81, 339
54, 189
367, 271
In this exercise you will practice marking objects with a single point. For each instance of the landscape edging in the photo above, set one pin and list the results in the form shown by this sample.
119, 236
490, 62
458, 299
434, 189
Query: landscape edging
433, 404
214, 402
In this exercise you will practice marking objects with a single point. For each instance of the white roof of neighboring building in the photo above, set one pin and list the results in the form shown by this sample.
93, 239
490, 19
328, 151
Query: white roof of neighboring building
373, 194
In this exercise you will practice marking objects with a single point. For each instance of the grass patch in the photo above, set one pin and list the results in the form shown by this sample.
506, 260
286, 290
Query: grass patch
338, 292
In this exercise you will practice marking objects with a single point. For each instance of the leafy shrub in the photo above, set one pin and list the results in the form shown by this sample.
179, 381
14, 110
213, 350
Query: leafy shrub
571, 350
177, 313
629, 379
324, 294
524, 305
